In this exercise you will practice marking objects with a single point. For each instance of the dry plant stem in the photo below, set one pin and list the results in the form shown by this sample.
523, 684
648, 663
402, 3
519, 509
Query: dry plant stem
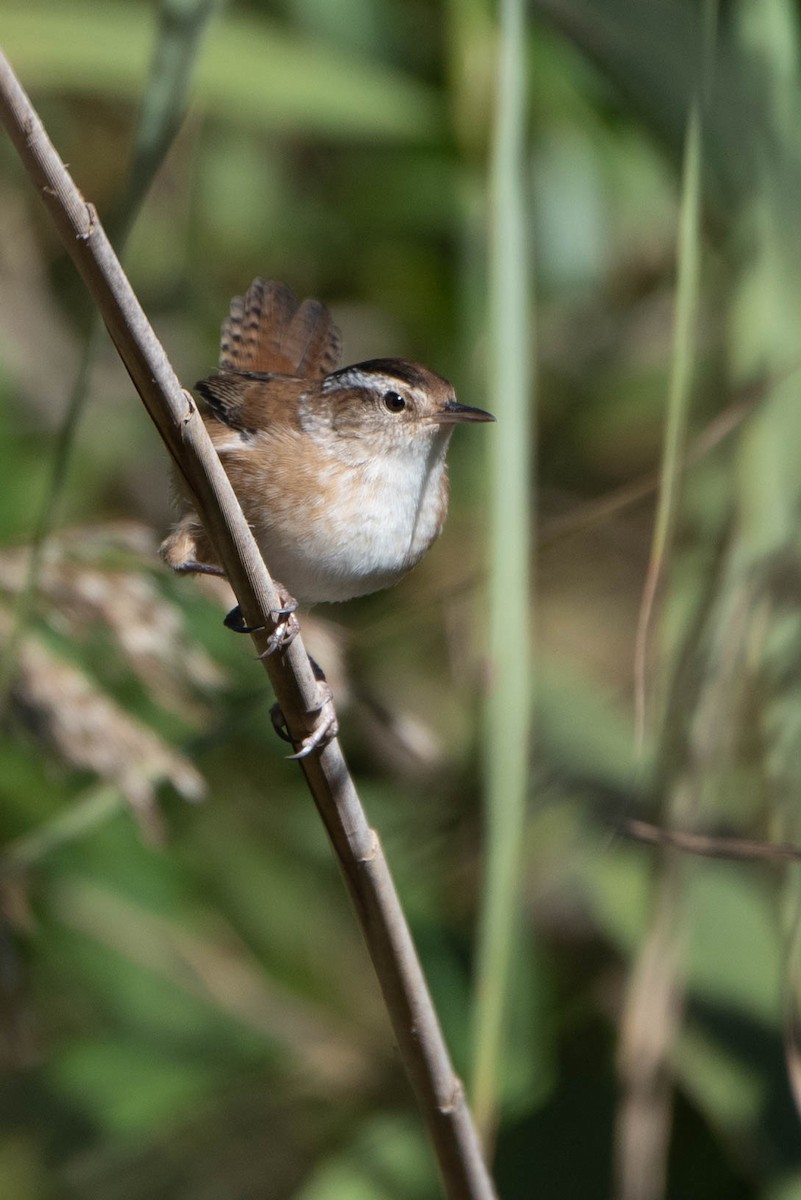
709, 846
649, 1026
439, 1093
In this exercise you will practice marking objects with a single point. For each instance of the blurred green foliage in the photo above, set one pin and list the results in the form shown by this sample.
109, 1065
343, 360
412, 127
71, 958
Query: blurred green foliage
186, 1005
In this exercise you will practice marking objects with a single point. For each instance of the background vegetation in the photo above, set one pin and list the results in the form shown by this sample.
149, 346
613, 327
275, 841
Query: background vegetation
187, 1008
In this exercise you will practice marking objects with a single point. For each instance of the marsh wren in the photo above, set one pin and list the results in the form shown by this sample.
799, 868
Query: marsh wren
341, 473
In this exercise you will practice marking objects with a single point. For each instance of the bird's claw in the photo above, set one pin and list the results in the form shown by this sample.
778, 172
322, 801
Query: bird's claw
235, 621
326, 726
284, 631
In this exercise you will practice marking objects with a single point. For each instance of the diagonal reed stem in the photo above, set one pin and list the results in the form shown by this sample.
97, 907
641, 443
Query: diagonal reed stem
440, 1095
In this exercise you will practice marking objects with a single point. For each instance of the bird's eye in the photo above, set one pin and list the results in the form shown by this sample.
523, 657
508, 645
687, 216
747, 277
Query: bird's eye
394, 402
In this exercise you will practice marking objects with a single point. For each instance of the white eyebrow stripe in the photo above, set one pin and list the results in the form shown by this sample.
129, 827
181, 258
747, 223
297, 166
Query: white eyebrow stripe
357, 379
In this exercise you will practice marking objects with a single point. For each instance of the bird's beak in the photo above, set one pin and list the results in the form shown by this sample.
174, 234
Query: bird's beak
453, 413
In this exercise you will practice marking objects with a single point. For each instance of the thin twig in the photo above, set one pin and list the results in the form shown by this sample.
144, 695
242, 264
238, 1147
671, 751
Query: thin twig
711, 846
439, 1093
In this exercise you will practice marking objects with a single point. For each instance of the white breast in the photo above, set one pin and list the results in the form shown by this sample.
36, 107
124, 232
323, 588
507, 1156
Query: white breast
376, 522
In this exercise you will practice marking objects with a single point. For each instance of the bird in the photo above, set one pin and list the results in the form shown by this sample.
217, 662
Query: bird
340, 471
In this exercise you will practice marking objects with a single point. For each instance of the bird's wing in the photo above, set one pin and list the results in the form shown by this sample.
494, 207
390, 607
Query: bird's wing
267, 332
249, 403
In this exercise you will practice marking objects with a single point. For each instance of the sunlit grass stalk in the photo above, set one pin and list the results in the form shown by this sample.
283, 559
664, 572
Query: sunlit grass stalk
652, 1013
680, 390
510, 351
686, 313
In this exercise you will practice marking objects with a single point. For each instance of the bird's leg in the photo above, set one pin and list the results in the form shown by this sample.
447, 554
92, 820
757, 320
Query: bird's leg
286, 625
191, 567
187, 549
326, 727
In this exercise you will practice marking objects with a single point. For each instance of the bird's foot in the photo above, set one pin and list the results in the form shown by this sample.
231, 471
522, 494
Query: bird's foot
284, 631
326, 726
286, 627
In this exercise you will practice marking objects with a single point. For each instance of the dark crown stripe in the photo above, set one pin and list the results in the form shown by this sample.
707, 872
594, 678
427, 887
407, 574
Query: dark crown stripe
392, 368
